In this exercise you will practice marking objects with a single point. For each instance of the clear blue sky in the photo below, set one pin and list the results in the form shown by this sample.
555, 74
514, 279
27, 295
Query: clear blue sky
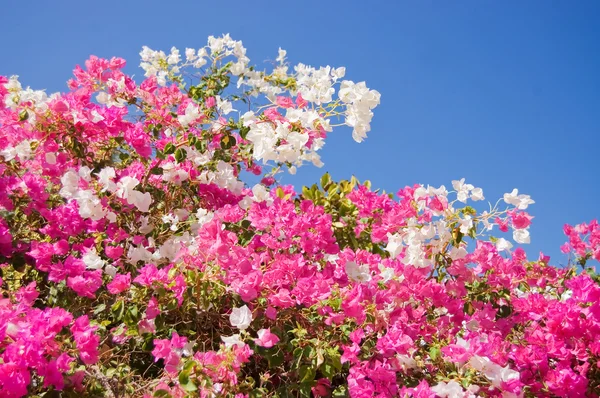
504, 93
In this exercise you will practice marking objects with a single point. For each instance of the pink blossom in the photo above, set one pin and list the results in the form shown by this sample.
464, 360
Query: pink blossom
266, 338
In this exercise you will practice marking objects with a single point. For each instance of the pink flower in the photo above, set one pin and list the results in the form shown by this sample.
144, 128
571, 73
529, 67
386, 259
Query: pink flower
85, 285
120, 283
266, 338
210, 102
301, 102
521, 220
285, 102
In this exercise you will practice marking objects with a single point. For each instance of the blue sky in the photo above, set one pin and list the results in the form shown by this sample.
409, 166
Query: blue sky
505, 94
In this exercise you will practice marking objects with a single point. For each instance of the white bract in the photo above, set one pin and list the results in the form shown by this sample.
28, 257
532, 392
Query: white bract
358, 273
241, 317
520, 201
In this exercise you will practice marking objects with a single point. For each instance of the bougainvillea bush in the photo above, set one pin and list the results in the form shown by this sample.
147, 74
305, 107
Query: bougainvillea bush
137, 262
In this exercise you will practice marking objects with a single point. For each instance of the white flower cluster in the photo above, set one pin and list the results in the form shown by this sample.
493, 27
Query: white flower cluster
411, 241
358, 273
22, 151
280, 143
521, 202
223, 177
316, 85
93, 261
17, 96
125, 189
360, 101
466, 191
89, 204
495, 373
160, 64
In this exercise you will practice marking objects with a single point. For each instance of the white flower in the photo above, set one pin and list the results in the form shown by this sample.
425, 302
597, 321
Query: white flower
466, 224
338, 73
224, 106
90, 205
92, 260
170, 249
494, 372
230, 341
191, 113
241, 317
70, 184
203, 216
111, 216
190, 54
188, 349
448, 390
477, 194
360, 101
485, 219
520, 201
85, 173
105, 178
50, 158
567, 294
281, 56
358, 273
8, 153
503, 245
138, 253
141, 200
521, 236
146, 227
174, 57
394, 246
103, 98
110, 270
462, 189
260, 194
96, 117
386, 273
458, 253
174, 174
125, 187
125, 190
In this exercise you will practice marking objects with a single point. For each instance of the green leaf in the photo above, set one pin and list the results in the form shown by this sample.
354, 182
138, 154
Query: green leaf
99, 309
306, 374
275, 359
162, 394
180, 155
169, 149
307, 193
156, 170
189, 387
325, 181
118, 309
23, 115
434, 353
200, 146
184, 377
280, 193
469, 309
227, 141
340, 392
335, 358
244, 132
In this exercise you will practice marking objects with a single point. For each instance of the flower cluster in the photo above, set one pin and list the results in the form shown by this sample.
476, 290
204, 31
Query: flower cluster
135, 260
